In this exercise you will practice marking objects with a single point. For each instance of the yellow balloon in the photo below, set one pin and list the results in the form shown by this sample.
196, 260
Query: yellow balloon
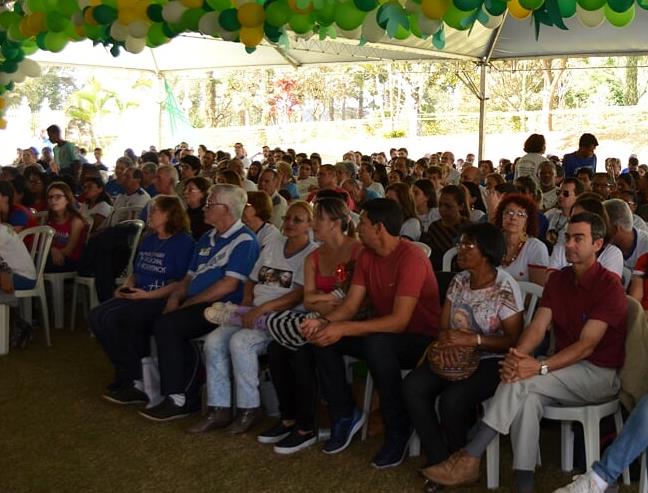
95, 3
517, 11
127, 15
192, 4
3, 123
251, 36
251, 15
3, 104
89, 18
434, 9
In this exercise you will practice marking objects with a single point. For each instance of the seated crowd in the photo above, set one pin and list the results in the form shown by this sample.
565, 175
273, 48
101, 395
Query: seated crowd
411, 266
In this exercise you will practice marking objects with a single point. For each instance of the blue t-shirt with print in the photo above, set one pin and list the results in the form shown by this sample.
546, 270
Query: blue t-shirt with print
113, 188
232, 254
160, 262
573, 162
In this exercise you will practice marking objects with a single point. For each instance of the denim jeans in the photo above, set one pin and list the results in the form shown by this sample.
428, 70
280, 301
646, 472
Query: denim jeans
631, 442
242, 348
21, 282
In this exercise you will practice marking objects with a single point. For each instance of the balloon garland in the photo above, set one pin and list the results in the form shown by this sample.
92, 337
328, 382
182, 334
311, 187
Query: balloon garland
133, 25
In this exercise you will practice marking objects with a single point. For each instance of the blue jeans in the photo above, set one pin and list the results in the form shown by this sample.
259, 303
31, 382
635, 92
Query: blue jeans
630, 443
21, 282
242, 347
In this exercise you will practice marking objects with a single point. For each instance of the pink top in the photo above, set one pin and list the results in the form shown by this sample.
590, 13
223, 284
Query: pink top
62, 233
326, 284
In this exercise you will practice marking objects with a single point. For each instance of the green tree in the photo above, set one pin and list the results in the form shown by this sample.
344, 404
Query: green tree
54, 84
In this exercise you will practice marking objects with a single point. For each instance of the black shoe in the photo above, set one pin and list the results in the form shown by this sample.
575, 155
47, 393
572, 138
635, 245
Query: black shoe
247, 419
168, 410
295, 442
393, 451
342, 432
126, 395
275, 434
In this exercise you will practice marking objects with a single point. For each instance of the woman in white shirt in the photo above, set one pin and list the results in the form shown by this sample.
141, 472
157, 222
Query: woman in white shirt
527, 165
425, 201
97, 205
402, 195
526, 257
14, 254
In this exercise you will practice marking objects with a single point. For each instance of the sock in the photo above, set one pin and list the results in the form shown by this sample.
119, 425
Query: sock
236, 318
483, 437
139, 385
260, 322
600, 482
178, 399
524, 481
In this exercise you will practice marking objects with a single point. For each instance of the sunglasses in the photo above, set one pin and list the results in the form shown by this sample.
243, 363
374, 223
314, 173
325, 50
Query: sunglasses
565, 193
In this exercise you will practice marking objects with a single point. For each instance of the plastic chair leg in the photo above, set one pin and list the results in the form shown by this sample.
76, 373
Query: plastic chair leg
75, 291
592, 439
643, 481
492, 463
366, 406
566, 446
618, 425
45, 314
26, 309
57, 298
414, 445
4, 329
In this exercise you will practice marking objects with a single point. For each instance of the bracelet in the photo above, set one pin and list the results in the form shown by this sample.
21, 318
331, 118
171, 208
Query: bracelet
479, 340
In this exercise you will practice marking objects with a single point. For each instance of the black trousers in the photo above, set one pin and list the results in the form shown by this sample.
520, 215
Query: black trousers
179, 358
295, 380
386, 356
123, 329
458, 406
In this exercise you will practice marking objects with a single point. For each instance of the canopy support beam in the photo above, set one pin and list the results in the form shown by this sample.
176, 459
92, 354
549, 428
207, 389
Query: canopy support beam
482, 110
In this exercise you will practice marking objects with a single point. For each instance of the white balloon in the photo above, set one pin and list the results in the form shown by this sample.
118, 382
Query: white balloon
427, 25
30, 68
138, 29
118, 31
209, 24
135, 45
4, 78
412, 7
355, 34
370, 28
18, 76
590, 18
228, 35
172, 11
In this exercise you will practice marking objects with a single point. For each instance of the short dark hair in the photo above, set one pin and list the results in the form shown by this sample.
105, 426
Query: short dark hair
578, 185
535, 143
587, 140
489, 239
386, 212
150, 157
192, 161
594, 220
585, 171
137, 174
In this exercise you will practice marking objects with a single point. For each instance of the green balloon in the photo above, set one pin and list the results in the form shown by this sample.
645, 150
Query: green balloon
467, 5
454, 18
35, 5
300, 23
414, 26
56, 22
402, 33
155, 36
273, 33
191, 18
104, 14
7, 19
531, 4
619, 19
93, 32
68, 7
229, 20
171, 30
9, 66
591, 5
365, 5
15, 34
497, 7
277, 14
40, 41
154, 12
643, 4
219, 5
55, 42
567, 8
9, 50
326, 15
348, 17
619, 6
30, 47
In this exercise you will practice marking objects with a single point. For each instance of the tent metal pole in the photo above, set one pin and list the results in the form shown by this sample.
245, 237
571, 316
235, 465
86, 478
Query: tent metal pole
482, 109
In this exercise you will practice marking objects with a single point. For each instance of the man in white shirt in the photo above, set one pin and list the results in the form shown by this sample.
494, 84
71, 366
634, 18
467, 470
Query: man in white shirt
452, 176
241, 153
366, 177
134, 196
632, 242
269, 183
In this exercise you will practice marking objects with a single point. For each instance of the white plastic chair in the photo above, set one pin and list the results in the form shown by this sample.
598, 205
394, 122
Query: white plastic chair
57, 283
122, 214
4, 329
89, 282
42, 217
41, 243
643, 480
426, 248
533, 292
448, 257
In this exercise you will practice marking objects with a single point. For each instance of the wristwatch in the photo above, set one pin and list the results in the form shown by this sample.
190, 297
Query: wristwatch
544, 368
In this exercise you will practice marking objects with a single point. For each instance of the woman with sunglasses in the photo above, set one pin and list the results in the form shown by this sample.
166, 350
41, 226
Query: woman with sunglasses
69, 229
483, 311
526, 257
275, 284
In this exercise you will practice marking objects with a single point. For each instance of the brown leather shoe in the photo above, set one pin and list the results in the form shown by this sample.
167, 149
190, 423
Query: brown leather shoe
460, 469
245, 420
219, 417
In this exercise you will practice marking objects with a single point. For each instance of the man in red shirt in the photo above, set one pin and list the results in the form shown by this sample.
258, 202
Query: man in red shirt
397, 278
587, 306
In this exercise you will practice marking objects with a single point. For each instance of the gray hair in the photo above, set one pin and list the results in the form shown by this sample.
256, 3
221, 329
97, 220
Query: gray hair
171, 171
232, 196
347, 167
149, 167
619, 213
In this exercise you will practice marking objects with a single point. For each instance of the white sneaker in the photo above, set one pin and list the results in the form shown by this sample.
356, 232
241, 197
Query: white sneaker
219, 313
584, 483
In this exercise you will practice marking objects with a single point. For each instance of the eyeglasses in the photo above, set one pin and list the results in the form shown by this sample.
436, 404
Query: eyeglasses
565, 193
293, 219
466, 245
55, 197
191, 190
511, 213
209, 204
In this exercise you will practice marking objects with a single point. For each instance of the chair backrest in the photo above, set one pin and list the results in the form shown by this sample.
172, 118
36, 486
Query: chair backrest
448, 257
531, 294
424, 247
41, 242
122, 214
138, 224
626, 276
634, 373
41, 217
